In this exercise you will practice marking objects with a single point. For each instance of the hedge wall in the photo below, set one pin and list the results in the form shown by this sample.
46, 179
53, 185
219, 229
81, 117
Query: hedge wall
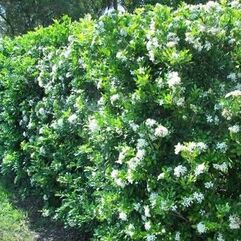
129, 127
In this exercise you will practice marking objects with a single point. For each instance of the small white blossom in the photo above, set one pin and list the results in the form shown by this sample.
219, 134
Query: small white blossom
120, 182
42, 111
147, 225
133, 163
187, 201
201, 228
147, 211
130, 230
208, 185
173, 79
220, 237
177, 236
137, 206
153, 198
222, 147
234, 129
114, 174
199, 197
161, 176
178, 148
114, 98
232, 76
122, 216
150, 122
221, 167
140, 154
180, 171
72, 119
93, 125
141, 143
150, 237
234, 222
161, 131
200, 169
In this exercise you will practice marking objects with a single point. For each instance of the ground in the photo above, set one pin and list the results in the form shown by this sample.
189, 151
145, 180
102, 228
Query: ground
22, 221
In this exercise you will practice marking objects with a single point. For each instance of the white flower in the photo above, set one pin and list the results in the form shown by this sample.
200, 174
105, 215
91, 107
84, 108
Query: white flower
208, 185
114, 174
147, 211
147, 225
187, 201
180, 102
140, 154
122, 216
200, 169
150, 122
209, 119
234, 222
231, 76
42, 150
234, 93
72, 119
130, 230
41, 111
199, 197
220, 237
178, 148
201, 146
173, 79
133, 163
153, 198
120, 182
141, 143
161, 176
161, 131
114, 98
137, 206
222, 147
93, 125
221, 167
180, 171
201, 228
234, 129
150, 237
177, 236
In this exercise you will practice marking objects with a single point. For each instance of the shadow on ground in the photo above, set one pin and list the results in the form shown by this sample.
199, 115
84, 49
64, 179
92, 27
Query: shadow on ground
42, 228
45, 229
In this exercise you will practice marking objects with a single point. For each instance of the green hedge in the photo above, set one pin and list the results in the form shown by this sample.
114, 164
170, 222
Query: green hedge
129, 127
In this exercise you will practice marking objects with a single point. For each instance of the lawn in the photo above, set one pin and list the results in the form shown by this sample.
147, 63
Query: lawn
13, 224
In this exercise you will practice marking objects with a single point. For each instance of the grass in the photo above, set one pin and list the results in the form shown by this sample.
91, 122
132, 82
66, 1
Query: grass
13, 224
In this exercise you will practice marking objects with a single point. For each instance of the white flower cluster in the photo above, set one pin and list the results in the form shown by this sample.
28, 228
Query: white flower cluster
234, 129
191, 147
157, 129
234, 222
180, 170
196, 197
200, 169
93, 125
173, 79
201, 228
222, 147
221, 167
118, 181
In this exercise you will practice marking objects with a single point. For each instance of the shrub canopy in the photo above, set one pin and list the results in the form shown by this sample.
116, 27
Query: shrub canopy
129, 126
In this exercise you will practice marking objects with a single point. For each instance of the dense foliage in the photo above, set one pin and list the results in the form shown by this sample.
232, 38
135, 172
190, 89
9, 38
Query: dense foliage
129, 126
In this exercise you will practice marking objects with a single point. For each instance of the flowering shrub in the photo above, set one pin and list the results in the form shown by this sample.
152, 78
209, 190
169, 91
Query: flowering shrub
129, 126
